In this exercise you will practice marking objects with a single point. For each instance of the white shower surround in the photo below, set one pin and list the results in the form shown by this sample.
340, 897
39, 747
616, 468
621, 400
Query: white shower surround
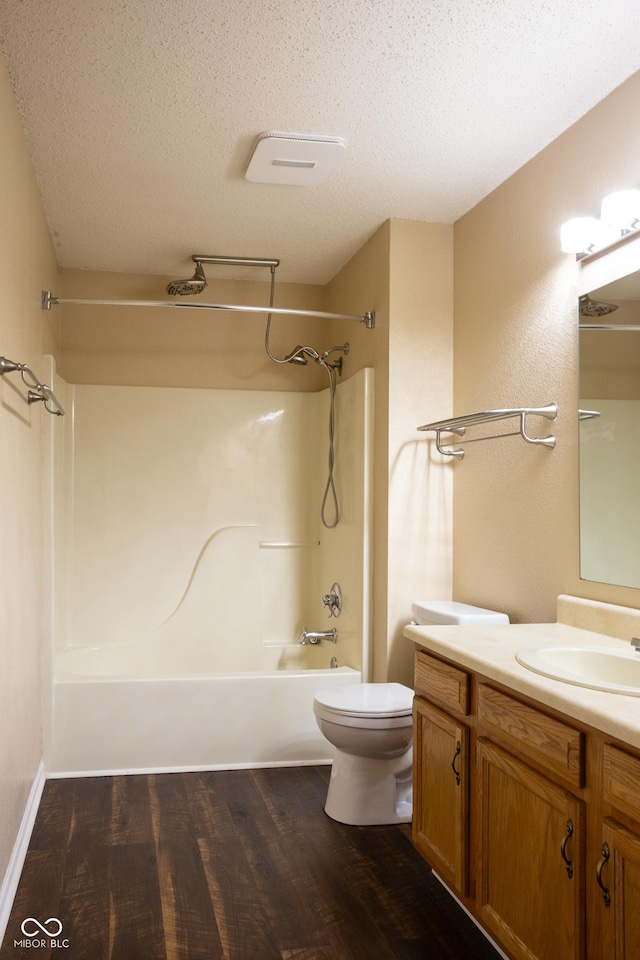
188, 554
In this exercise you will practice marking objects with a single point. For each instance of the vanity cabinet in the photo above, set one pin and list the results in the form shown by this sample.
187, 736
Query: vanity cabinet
531, 885
509, 836
618, 869
618, 876
440, 826
441, 793
530, 773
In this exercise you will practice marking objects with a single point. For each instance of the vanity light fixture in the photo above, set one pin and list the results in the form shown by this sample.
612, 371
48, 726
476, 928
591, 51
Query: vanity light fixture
619, 216
583, 235
621, 210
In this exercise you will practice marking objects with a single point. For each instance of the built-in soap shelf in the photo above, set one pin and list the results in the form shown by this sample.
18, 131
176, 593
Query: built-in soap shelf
458, 426
274, 544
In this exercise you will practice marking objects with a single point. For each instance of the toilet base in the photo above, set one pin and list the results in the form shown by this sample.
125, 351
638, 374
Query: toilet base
365, 792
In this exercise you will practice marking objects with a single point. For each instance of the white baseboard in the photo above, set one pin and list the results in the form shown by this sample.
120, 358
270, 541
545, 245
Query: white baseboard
68, 774
12, 876
471, 916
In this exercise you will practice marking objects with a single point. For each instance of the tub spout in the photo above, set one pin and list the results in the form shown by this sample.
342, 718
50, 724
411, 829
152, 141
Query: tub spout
315, 636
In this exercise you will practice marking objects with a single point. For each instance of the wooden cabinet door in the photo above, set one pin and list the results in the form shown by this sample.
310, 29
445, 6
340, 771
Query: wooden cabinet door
531, 890
441, 792
619, 880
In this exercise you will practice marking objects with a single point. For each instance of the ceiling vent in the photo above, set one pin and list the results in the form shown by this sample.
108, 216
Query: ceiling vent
294, 159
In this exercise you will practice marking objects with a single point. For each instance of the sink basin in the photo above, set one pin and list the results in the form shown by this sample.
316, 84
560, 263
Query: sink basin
599, 668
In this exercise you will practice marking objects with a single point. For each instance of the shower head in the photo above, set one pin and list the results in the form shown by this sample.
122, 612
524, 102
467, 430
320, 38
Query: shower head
595, 308
186, 288
301, 354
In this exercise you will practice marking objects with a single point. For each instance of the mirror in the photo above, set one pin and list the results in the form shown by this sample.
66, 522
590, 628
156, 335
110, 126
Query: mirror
610, 433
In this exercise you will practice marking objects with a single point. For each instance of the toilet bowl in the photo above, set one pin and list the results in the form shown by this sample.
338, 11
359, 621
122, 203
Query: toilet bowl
370, 726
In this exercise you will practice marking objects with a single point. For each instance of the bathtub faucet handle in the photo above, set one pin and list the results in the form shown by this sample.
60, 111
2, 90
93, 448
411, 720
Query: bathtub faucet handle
333, 600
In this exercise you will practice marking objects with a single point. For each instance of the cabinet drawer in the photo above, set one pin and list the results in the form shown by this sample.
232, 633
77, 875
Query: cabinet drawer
550, 742
439, 681
621, 780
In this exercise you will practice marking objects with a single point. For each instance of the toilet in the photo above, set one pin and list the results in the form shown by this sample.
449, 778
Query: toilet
370, 726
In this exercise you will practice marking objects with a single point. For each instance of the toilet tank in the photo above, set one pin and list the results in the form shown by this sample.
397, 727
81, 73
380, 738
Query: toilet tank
450, 611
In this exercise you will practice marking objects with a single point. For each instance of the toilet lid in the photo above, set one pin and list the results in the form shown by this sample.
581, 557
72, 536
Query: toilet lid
368, 700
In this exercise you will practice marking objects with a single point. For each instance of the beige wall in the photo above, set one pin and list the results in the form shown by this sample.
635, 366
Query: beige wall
420, 390
405, 273
364, 280
27, 265
515, 343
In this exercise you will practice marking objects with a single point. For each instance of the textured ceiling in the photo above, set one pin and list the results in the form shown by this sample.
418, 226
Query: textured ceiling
141, 115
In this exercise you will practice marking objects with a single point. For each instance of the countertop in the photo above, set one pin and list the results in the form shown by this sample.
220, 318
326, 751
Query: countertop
491, 652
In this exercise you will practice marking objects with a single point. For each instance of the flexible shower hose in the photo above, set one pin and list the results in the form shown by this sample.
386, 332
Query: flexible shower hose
300, 354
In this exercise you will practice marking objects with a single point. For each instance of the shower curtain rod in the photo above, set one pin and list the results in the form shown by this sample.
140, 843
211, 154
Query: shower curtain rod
368, 319
610, 326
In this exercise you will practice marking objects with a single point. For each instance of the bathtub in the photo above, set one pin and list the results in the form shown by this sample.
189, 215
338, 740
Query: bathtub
117, 710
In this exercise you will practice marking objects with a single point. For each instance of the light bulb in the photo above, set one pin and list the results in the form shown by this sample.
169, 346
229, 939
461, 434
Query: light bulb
580, 234
621, 209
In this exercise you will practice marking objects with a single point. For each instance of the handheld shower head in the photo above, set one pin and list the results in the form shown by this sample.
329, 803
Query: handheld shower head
186, 288
301, 354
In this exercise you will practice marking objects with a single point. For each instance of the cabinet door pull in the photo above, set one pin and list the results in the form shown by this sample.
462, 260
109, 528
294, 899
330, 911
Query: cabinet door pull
453, 762
563, 848
606, 896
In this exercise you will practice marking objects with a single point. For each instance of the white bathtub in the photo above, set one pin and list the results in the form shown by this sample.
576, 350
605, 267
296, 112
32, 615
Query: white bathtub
110, 718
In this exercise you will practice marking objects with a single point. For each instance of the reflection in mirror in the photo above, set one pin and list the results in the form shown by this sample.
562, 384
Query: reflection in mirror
610, 433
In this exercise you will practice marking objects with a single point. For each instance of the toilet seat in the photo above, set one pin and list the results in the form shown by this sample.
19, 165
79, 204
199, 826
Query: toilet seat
368, 700
373, 705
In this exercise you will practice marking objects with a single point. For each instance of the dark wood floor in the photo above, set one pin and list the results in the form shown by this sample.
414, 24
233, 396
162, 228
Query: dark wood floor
233, 865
